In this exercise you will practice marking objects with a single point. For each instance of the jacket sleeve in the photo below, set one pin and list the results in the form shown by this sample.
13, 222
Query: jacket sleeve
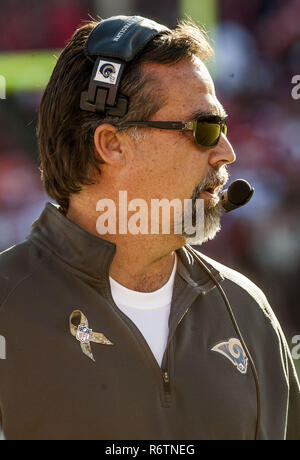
292, 425
1, 433
293, 404
293, 415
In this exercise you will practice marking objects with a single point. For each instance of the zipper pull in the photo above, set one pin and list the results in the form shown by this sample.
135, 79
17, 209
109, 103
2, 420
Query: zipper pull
166, 382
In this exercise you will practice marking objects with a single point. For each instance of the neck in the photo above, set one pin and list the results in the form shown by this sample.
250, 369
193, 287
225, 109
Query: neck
142, 263
141, 267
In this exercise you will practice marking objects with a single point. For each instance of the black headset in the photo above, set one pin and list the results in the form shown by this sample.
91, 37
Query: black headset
111, 45
114, 42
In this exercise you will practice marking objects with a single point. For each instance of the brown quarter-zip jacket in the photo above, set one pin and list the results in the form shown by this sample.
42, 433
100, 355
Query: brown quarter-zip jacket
51, 389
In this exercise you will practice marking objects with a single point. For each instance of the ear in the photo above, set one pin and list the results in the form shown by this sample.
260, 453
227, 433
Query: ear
108, 145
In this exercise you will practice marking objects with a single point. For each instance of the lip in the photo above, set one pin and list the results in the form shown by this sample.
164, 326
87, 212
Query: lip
214, 194
209, 196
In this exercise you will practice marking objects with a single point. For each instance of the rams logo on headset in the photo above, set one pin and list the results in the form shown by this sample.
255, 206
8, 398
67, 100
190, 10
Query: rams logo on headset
107, 72
233, 351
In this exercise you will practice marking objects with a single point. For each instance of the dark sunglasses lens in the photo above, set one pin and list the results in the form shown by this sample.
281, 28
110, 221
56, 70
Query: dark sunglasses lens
207, 134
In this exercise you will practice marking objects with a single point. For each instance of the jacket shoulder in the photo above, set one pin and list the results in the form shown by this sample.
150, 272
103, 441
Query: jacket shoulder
263, 305
16, 264
245, 284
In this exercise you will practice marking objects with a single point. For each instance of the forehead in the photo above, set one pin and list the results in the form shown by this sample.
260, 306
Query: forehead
189, 89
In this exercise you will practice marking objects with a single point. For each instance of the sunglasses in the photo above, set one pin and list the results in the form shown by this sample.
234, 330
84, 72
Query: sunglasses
207, 130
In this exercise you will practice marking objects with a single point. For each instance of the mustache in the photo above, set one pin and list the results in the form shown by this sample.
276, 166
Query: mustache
213, 180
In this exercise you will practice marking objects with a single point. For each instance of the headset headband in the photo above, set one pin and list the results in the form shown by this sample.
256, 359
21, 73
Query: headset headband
114, 42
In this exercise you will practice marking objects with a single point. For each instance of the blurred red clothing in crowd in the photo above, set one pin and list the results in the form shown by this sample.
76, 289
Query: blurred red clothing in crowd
33, 24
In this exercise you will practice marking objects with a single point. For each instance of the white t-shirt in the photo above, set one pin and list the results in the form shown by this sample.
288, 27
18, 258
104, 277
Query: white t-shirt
149, 311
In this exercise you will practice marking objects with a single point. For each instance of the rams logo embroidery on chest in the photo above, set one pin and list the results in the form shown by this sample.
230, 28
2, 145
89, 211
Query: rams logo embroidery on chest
233, 351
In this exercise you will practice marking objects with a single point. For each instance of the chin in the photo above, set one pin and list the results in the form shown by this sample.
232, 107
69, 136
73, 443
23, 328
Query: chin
209, 234
212, 225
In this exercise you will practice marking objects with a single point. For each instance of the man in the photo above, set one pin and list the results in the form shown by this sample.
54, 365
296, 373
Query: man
125, 335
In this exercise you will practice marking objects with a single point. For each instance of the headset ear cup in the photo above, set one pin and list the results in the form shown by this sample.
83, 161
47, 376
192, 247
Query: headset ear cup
114, 42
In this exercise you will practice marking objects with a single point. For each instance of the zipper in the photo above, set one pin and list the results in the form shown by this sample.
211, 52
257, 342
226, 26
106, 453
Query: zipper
167, 400
167, 395
164, 373
166, 380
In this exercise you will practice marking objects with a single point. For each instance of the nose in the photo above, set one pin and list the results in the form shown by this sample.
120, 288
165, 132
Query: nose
222, 154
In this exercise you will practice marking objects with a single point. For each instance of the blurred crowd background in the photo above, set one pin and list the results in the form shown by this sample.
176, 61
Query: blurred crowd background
257, 47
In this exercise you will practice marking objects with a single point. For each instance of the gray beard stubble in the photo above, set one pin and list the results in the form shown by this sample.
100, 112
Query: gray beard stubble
212, 210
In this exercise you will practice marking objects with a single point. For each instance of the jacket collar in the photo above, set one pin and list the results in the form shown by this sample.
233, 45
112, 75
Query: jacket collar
78, 248
92, 255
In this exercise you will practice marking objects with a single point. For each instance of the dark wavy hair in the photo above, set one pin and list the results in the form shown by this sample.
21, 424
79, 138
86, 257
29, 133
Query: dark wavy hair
66, 133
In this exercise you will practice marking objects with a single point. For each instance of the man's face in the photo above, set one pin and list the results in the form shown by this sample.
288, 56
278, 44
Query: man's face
169, 164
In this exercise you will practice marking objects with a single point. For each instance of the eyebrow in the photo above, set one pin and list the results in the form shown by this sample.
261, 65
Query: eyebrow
214, 113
